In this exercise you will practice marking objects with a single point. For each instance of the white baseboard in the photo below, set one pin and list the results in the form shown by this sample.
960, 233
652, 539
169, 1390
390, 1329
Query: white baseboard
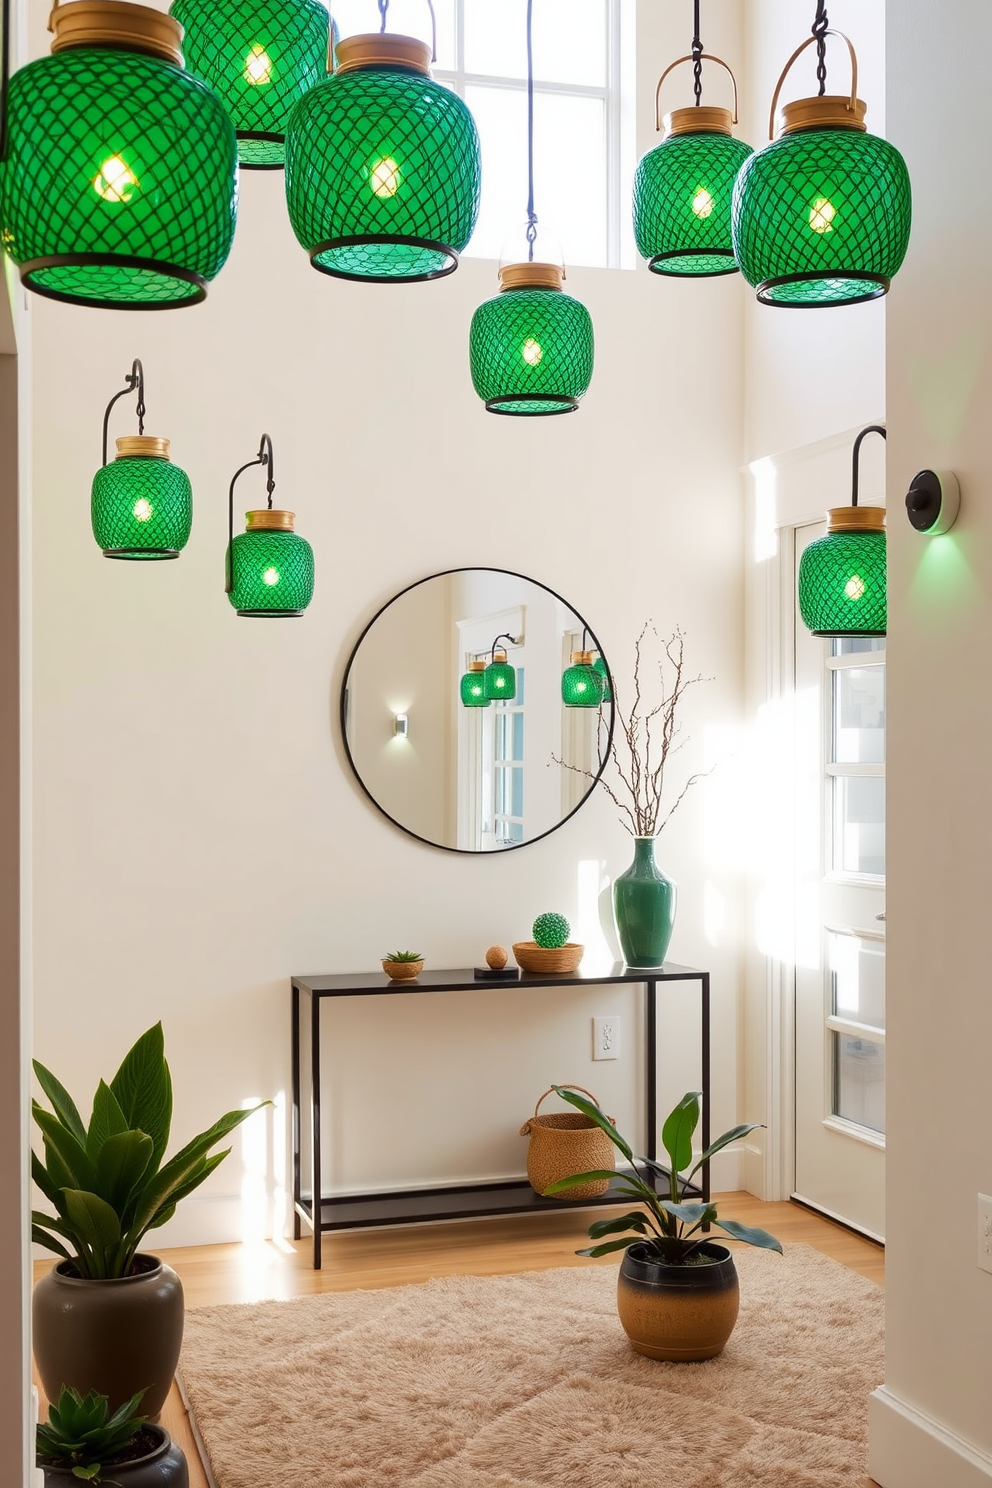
909, 1449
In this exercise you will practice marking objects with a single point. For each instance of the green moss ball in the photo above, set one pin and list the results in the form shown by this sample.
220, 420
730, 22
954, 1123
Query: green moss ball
551, 931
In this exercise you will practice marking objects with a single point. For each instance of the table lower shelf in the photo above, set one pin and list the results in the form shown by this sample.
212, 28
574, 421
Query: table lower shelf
457, 1201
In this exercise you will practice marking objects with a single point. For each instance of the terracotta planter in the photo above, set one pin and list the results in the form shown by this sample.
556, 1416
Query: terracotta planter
112, 1336
678, 1312
161, 1466
402, 971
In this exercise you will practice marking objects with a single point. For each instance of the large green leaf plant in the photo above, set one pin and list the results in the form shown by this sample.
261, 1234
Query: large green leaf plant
670, 1230
106, 1182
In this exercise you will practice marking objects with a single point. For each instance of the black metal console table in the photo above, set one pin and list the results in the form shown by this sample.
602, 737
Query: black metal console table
464, 1200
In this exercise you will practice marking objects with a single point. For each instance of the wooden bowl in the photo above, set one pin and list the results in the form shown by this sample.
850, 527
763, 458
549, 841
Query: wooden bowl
402, 971
548, 960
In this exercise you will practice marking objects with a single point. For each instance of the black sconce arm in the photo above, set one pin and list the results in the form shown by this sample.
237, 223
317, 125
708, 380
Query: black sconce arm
266, 460
856, 471
135, 379
492, 650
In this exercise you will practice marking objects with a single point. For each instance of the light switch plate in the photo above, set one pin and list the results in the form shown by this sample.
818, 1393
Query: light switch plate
606, 1038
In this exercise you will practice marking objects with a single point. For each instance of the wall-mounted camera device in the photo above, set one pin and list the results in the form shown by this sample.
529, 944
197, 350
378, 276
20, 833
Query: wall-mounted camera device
933, 501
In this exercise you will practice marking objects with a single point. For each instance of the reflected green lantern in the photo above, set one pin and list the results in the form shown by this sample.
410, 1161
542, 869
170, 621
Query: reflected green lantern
259, 57
599, 665
683, 189
531, 347
473, 687
382, 166
821, 216
581, 684
141, 505
269, 568
500, 679
842, 577
120, 185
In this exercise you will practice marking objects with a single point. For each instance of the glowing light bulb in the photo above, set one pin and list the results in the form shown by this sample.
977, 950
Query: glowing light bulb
258, 66
385, 177
270, 577
114, 182
142, 510
855, 587
821, 215
702, 203
532, 352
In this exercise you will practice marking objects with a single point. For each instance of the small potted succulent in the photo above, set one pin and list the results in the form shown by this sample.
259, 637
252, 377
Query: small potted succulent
550, 953
403, 966
677, 1292
82, 1442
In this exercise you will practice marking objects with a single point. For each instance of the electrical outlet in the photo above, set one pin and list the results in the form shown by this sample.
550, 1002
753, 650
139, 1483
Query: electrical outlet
606, 1038
984, 1232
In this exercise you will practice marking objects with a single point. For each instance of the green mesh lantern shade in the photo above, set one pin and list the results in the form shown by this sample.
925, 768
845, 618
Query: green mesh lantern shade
271, 574
500, 679
259, 57
842, 584
141, 507
531, 351
382, 172
599, 665
473, 687
120, 187
682, 195
581, 684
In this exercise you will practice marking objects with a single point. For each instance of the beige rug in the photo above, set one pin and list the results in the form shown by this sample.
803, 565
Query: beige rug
528, 1382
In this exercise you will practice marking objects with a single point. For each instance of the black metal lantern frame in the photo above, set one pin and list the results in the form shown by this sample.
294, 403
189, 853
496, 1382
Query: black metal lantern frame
135, 380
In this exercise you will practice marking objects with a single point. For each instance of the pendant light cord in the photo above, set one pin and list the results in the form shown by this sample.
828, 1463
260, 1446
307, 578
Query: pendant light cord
820, 32
531, 214
697, 56
266, 459
855, 476
135, 379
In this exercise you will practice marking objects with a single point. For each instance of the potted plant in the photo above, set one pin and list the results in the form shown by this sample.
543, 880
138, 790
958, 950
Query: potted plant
110, 1317
82, 1441
677, 1292
403, 966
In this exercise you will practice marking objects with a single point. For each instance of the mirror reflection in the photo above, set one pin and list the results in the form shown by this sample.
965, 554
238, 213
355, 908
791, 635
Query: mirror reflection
477, 710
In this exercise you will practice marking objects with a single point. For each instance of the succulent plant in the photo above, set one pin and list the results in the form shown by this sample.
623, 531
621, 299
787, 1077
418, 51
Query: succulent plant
404, 956
81, 1434
551, 931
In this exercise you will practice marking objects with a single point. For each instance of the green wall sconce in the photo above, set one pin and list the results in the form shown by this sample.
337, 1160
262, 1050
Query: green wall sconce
269, 567
683, 187
821, 216
120, 185
259, 57
383, 170
472, 687
499, 677
582, 685
141, 505
842, 576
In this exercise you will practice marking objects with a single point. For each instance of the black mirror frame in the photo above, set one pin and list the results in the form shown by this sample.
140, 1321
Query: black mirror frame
467, 852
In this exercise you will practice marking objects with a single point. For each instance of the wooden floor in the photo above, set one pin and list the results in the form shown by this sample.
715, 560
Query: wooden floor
366, 1260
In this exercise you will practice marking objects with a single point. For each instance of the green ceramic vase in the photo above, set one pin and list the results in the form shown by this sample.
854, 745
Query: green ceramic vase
644, 908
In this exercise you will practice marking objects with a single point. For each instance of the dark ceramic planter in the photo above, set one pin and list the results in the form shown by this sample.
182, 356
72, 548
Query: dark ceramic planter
678, 1312
116, 1337
163, 1466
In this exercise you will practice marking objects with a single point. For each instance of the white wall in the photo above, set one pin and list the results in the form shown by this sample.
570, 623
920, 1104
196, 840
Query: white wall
932, 1423
199, 835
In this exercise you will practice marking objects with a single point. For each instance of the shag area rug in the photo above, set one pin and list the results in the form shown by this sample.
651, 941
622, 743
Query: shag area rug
529, 1382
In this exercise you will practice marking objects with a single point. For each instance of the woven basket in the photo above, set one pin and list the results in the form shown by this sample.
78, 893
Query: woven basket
548, 960
565, 1143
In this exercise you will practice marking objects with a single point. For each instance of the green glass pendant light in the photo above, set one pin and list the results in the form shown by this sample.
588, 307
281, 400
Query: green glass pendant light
259, 57
531, 347
821, 216
141, 505
600, 666
581, 684
683, 187
842, 575
499, 680
473, 687
269, 568
120, 184
383, 169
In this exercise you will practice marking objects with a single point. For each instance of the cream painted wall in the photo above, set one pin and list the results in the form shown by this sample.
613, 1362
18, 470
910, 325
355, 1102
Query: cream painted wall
198, 834
932, 1423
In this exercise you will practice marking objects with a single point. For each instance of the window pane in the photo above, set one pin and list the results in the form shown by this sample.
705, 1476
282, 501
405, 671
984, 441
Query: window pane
407, 17
859, 1081
520, 687
857, 976
518, 735
855, 645
569, 171
502, 735
859, 715
569, 40
859, 824
517, 799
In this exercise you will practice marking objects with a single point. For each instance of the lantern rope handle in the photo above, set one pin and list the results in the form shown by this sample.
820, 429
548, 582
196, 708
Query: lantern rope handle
266, 460
705, 57
135, 379
810, 40
855, 476
384, 7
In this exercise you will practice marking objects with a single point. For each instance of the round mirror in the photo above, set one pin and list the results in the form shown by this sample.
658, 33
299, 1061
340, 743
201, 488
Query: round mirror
477, 710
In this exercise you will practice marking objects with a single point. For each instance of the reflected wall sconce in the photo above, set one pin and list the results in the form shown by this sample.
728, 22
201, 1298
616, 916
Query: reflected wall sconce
842, 576
600, 666
401, 726
141, 505
269, 567
582, 685
933, 501
499, 677
473, 687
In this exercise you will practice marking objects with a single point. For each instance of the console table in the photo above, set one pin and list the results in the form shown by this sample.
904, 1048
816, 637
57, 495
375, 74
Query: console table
463, 1200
